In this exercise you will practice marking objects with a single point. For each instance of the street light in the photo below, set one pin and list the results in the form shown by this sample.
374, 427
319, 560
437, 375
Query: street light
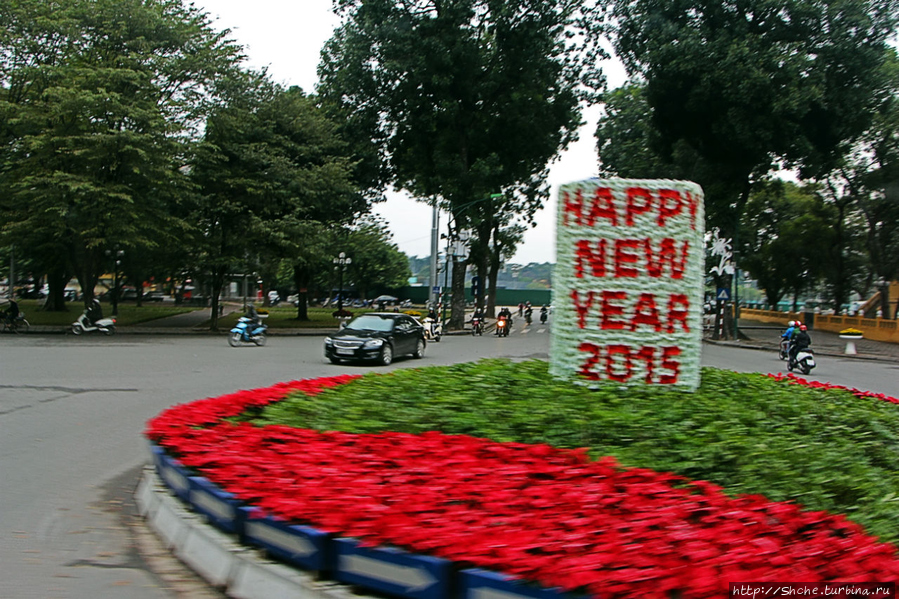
115, 279
340, 264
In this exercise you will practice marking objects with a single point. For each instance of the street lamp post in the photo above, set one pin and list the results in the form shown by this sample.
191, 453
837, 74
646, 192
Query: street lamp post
340, 264
115, 278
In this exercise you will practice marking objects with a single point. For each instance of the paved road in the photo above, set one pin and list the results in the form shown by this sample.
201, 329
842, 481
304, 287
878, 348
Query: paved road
72, 411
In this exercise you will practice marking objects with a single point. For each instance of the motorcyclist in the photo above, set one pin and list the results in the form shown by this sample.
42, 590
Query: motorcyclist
94, 312
786, 338
544, 311
791, 328
801, 340
528, 311
252, 315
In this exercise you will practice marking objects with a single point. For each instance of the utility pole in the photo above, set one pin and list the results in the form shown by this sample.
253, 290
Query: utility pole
435, 226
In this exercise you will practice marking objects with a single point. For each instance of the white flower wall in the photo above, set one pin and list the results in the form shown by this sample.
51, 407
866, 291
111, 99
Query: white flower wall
628, 283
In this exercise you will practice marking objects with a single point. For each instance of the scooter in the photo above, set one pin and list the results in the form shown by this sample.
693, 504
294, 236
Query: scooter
245, 332
84, 325
804, 361
433, 329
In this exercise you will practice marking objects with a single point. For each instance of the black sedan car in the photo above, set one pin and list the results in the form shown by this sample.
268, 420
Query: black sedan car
377, 337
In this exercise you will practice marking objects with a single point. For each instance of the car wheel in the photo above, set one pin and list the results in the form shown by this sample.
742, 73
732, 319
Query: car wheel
419, 350
386, 355
334, 360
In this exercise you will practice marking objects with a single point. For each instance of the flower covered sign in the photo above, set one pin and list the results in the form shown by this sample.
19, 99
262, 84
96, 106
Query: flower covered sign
628, 282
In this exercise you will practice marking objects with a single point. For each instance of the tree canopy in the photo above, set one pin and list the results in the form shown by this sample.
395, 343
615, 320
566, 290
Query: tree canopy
97, 97
749, 84
462, 99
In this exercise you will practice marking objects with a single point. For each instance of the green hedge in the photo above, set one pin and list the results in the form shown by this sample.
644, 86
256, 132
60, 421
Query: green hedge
823, 448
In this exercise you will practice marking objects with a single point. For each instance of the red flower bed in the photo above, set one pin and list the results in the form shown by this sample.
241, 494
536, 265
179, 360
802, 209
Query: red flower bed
795, 380
537, 512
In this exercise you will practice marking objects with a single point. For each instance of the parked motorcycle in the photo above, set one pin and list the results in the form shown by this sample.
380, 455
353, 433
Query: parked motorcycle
502, 327
433, 329
804, 361
84, 325
477, 326
246, 332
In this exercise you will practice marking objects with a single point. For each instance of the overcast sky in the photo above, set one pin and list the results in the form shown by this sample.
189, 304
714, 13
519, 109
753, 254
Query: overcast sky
286, 36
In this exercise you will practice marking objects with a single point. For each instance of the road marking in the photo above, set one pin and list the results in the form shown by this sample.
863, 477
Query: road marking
414, 579
295, 544
489, 593
212, 504
174, 478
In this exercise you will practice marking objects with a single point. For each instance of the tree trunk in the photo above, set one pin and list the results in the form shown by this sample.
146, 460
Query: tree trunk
218, 281
56, 281
301, 279
457, 299
493, 276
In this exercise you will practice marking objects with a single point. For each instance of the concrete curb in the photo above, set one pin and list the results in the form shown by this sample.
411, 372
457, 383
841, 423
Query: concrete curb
237, 570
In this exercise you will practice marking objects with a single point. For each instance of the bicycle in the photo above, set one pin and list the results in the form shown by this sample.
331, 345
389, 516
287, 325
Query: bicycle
16, 325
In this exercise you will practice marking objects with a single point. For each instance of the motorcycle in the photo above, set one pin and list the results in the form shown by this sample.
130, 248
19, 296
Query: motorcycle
245, 331
84, 325
433, 329
477, 327
804, 361
784, 352
502, 327
527, 316
543, 316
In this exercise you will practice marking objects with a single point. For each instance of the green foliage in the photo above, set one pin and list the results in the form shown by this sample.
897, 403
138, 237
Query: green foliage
377, 261
98, 97
459, 100
825, 449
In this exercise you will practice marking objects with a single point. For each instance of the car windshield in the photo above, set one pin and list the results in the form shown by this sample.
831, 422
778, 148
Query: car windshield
370, 322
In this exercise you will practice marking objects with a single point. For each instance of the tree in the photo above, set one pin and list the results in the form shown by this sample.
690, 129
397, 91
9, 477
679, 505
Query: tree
270, 163
463, 98
868, 179
746, 84
97, 97
788, 235
378, 264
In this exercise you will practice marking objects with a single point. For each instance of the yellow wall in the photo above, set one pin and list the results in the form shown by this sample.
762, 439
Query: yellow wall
876, 329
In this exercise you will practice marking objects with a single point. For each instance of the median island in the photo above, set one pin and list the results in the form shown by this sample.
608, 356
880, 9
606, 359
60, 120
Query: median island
497, 467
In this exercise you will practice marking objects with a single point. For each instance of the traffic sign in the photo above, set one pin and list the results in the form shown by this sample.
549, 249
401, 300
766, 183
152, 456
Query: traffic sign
723, 294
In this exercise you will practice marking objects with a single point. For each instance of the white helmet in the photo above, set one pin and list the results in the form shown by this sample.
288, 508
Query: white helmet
792, 323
